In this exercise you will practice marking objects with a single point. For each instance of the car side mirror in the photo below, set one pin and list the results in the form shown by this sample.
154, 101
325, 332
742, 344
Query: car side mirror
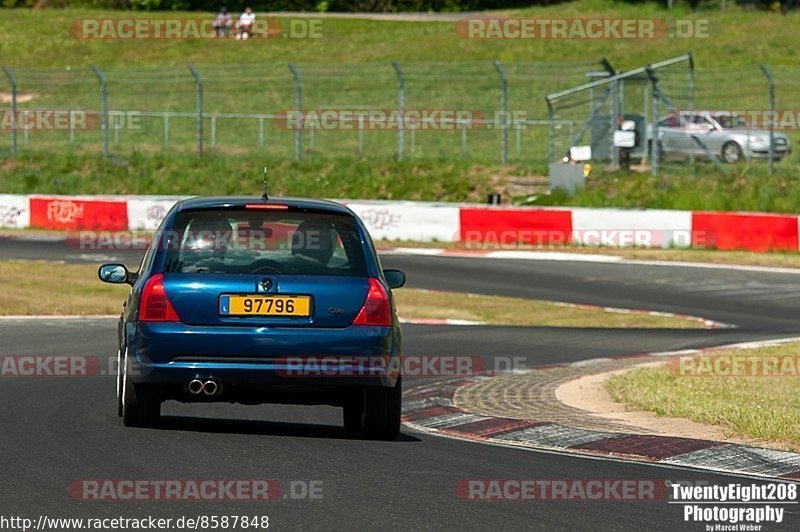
395, 278
115, 274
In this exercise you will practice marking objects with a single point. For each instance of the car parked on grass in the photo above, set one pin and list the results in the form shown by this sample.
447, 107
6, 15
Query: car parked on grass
261, 301
725, 134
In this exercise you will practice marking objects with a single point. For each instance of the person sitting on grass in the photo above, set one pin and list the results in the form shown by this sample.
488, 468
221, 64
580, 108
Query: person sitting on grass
244, 26
222, 23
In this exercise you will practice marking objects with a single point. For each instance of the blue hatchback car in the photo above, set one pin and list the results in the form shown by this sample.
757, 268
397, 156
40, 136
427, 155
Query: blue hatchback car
255, 300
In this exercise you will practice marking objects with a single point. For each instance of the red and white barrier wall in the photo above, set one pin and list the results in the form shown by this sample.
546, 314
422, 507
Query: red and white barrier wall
448, 222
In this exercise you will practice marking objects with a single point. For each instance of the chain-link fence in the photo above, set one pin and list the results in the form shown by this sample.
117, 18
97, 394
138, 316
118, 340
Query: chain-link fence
482, 111
600, 107
699, 115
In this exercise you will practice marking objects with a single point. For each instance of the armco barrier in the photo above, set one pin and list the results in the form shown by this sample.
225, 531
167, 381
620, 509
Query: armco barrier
742, 230
409, 220
505, 226
145, 213
73, 213
651, 227
448, 222
15, 211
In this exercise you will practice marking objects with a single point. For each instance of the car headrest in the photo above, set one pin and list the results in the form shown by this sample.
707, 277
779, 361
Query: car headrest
314, 240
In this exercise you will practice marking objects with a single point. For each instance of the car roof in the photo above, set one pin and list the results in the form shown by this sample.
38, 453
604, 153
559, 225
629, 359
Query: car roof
211, 202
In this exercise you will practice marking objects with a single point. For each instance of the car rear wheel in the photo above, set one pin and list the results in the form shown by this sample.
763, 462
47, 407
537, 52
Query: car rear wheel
651, 152
141, 403
382, 412
353, 418
731, 153
119, 383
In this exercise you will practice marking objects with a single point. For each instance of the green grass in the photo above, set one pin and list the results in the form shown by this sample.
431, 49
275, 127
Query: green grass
499, 310
350, 67
763, 407
182, 173
27, 290
737, 36
185, 174
745, 188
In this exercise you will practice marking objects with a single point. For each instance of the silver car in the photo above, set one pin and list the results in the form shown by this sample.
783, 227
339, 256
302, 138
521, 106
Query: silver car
725, 134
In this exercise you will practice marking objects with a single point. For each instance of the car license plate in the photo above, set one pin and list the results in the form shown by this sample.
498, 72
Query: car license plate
297, 306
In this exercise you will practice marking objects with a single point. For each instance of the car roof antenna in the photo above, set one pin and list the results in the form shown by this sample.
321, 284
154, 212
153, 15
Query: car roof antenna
264, 195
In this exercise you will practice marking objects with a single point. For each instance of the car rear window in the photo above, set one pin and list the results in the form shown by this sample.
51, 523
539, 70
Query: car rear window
263, 242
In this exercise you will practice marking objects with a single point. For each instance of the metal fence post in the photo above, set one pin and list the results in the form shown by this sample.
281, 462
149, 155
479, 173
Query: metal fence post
71, 126
298, 103
654, 144
104, 106
401, 104
10, 75
213, 130
166, 130
691, 98
503, 109
361, 134
772, 116
551, 131
614, 123
691, 81
199, 81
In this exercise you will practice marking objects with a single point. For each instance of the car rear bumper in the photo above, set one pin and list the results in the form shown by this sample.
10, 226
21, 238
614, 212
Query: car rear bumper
347, 357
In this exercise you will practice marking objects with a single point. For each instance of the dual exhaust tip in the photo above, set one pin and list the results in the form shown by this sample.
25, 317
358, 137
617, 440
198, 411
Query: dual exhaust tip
209, 387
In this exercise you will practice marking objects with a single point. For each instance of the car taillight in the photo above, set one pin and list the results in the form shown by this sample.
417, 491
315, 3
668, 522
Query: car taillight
377, 310
154, 304
266, 207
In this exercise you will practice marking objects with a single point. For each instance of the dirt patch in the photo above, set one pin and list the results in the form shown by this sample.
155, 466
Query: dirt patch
588, 393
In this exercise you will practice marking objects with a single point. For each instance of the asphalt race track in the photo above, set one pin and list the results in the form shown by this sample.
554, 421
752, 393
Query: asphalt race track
59, 430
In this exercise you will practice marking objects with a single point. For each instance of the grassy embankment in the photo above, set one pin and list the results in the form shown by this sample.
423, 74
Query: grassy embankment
348, 66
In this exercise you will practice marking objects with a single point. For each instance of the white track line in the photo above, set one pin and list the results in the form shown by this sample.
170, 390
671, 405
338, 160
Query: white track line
557, 256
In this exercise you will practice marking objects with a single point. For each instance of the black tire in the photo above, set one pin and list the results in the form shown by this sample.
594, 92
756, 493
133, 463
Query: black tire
141, 403
119, 383
382, 412
353, 414
651, 152
732, 153
353, 417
